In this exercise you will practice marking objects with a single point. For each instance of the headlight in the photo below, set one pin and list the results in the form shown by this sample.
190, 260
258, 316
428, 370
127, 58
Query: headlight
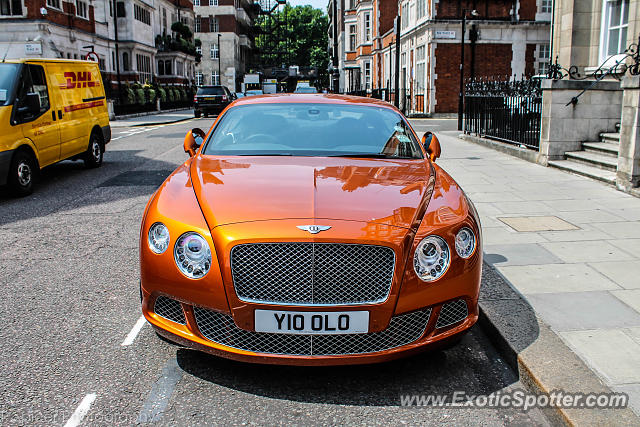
431, 259
192, 255
158, 237
465, 242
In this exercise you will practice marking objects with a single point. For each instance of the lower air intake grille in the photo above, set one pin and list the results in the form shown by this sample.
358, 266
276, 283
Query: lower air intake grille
452, 312
170, 309
402, 330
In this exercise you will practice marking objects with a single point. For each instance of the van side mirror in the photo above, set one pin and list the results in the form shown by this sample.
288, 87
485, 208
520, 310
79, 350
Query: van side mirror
431, 145
193, 140
31, 104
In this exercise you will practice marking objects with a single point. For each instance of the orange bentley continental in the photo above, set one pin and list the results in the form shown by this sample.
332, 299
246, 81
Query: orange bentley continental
310, 230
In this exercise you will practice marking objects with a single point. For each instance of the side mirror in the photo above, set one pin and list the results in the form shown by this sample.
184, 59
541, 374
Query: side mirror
193, 140
431, 145
31, 104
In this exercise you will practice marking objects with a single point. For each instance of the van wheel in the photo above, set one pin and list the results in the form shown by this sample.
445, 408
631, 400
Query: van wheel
95, 152
22, 174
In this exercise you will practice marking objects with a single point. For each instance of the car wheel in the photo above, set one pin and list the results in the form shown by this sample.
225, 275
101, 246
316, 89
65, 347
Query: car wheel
22, 173
197, 114
95, 152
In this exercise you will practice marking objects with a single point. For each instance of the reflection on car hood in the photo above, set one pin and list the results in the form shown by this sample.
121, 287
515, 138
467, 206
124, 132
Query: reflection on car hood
236, 189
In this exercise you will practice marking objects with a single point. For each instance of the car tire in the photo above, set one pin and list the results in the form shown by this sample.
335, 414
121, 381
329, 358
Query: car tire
22, 173
197, 114
95, 152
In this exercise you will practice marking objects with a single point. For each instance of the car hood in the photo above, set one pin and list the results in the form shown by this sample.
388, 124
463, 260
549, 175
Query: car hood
254, 188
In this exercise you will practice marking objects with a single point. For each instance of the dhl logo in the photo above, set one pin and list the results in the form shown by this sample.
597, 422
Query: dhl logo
78, 80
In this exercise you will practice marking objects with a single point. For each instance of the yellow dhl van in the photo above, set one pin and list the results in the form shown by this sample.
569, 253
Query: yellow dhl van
50, 110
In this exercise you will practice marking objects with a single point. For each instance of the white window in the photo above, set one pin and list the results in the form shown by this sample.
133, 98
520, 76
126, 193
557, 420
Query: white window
614, 29
367, 27
179, 68
10, 7
421, 8
352, 37
215, 78
543, 59
214, 51
143, 66
196, 2
56, 4
420, 68
405, 16
213, 2
81, 9
545, 6
367, 75
198, 24
199, 78
199, 49
141, 14
213, 25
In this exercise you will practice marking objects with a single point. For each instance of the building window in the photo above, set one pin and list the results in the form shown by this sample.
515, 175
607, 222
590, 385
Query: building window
543, 58
55, 4
614, 30
199, 78
405, 16
420, 8
81, 9
10, 7
214, 51
164, 20
142, 14
179, 68
352, 37
352, 4
367, 27
420, 69
143, 66
215, 78
213, 2
367, 75
198, 25
213, 25
125, 61
120, 10
545, 6
196, 2
199, 49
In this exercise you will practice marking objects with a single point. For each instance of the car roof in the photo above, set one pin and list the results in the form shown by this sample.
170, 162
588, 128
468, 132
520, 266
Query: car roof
317, 98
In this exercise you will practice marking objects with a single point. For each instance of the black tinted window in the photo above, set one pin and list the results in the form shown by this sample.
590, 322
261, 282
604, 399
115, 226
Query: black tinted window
8, 76
218, 90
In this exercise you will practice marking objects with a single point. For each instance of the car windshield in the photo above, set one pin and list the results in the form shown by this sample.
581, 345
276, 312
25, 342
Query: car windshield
8, 75
306, 90
254, 92
308, 129
210, 91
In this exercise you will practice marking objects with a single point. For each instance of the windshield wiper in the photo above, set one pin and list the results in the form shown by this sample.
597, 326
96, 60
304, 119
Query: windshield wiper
370, 156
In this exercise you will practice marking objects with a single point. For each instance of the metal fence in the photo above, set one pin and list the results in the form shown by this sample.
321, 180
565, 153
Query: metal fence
506, 110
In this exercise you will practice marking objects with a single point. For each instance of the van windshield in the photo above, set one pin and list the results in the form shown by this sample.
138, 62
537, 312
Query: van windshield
8, 75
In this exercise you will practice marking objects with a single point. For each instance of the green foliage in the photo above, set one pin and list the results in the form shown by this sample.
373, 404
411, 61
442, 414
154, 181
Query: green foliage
140, 99
182, 30
162, 94
303, 38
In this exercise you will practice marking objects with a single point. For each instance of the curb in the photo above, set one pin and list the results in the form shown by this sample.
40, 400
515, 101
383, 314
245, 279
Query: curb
149, 113
544, 363
184, 119
513, 150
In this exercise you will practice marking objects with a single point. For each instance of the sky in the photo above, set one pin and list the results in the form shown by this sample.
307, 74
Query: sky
318, 4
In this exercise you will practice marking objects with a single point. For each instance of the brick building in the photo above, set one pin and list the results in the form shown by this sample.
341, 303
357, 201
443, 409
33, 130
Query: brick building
503, 38
71, 29
232, 20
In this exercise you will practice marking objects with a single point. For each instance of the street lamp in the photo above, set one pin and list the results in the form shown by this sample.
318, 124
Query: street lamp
474, 13
219, 61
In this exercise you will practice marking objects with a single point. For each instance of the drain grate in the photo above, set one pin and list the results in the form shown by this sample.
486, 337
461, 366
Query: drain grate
132, 178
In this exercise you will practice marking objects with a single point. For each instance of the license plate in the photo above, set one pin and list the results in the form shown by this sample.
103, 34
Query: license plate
312, 322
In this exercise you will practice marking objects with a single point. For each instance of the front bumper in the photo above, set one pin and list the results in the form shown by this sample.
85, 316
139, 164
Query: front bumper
209, 108
216, 333
5, 165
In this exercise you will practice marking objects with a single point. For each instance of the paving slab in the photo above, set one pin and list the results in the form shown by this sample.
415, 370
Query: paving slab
624, 273
631, 297
519, 254
589, 216
633, 390
553, 278
634, 333
631, 246
621, 230
538, 223
503, 235
586, 251
571, 311
585, 232
611, 352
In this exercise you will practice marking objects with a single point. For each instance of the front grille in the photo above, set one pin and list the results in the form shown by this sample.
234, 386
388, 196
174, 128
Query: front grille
452, 312
312, 273
402, 330
170, 309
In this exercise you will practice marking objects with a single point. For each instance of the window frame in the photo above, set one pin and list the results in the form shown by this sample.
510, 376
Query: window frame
606, 28
85, 8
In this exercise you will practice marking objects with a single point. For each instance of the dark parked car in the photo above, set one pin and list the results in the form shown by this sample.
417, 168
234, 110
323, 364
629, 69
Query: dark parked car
211, 100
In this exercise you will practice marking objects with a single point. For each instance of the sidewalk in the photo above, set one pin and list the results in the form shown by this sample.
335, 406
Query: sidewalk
569, 245
154, 119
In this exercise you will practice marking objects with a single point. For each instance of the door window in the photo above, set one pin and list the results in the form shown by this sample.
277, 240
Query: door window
33, 81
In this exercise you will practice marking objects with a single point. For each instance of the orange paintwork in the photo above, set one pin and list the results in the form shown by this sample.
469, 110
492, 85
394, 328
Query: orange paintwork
231, 200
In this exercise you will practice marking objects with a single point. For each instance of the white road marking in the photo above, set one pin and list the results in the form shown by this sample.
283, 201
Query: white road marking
134, 331
161, 392
81, 410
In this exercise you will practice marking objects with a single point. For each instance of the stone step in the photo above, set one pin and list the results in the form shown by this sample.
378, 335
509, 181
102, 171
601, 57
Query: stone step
585, 170
602, 148
597, 160
610, 137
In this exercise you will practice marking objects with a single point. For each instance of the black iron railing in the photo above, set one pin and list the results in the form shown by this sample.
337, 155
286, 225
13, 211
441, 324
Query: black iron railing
411, 101
506, 110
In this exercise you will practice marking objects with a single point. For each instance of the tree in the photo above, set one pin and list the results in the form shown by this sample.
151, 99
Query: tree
295, 36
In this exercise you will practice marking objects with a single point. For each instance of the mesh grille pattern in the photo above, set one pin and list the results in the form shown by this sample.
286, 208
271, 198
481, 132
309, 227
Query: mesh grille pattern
312, 273
402, 330
452, 312
170, 309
